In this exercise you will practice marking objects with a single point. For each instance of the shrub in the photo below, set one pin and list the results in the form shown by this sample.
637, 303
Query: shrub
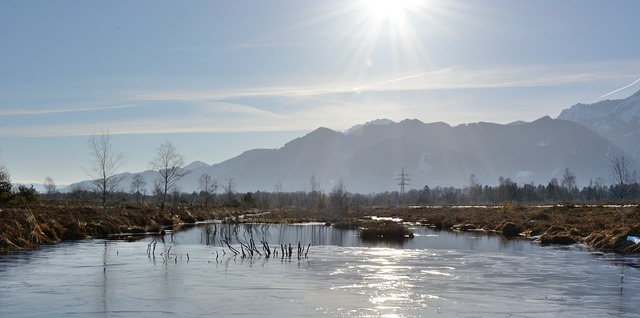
386, 231
25, 194
5, 185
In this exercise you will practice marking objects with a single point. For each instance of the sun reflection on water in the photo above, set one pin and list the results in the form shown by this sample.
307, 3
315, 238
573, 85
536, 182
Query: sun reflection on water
394, 280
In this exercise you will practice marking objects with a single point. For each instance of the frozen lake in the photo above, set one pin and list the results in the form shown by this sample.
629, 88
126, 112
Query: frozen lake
440, 274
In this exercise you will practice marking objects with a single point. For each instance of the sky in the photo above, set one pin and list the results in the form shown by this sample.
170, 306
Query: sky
217, 78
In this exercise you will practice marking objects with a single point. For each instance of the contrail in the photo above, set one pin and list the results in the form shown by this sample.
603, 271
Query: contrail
359, 88
390, 81
619, 89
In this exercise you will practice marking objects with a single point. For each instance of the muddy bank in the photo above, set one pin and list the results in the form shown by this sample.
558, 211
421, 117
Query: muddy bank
602, 227
28, 227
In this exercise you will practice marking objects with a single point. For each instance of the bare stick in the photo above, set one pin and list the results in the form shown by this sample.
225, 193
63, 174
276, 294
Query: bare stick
235, 251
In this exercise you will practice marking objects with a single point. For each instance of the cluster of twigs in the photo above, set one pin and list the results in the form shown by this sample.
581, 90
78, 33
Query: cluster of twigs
226, 234
249, 250
165, 255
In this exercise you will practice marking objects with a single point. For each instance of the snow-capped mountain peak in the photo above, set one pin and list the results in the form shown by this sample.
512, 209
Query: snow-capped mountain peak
617, 120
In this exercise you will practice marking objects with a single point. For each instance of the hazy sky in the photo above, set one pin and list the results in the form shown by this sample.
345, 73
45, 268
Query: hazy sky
217, 78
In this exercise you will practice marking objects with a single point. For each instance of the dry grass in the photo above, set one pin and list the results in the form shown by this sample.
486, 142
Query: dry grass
598, 226
27, 227
385, 231
52, 222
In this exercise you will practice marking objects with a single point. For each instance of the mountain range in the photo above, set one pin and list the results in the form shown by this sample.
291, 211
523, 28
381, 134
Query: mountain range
617, 120
370, 157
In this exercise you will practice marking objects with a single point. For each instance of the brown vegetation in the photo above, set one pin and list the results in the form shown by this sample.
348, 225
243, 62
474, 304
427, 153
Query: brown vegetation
47, 222
27, 227
386, 231
597, 226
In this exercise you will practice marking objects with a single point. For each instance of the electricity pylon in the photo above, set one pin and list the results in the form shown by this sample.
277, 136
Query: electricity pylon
403, 182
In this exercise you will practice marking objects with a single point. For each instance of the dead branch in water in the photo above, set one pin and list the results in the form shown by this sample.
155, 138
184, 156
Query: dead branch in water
265, 248
235, 251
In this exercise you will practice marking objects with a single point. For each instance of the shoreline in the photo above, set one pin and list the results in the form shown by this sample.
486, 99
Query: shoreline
44, 223
600, 227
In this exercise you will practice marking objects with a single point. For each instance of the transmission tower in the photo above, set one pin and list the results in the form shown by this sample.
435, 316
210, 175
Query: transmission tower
402, 177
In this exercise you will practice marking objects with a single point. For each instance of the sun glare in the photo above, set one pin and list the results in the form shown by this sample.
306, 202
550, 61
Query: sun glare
388, 9
389, 25
380, 41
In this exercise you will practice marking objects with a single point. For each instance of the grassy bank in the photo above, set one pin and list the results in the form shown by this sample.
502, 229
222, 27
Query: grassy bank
601, 227
27, 227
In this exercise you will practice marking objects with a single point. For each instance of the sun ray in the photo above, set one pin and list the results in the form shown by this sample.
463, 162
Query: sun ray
372, 37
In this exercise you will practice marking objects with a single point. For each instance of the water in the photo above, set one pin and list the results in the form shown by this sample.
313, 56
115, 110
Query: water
440, 274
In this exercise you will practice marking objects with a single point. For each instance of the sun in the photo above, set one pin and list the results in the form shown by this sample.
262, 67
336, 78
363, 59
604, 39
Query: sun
392, 10
373, 38
390, 26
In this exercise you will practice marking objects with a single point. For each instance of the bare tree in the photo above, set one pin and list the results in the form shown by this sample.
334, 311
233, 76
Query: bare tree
175, 195
622, 177
338, 199
50, 188
280, 195
475, 189
208, 187
105, 162
315, 193
569, 183
230, 189
601, 188
157, 190
169, 164
138, 186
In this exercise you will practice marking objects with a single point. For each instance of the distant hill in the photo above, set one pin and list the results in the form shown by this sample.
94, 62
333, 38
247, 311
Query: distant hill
369, 157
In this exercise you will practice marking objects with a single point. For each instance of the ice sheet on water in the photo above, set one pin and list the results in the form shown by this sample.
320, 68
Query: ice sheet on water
451, 274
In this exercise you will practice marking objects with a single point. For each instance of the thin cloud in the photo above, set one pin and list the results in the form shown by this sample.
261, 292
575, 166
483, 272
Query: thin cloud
203, 117
360, 88
236, 108
33, 112
237, 46
299, 107
458, 77
220, 95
